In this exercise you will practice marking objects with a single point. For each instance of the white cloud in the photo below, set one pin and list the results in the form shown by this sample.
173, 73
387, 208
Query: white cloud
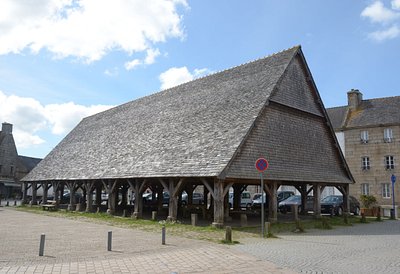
151, 56
111, 72
396, 4
389, 33
29, 117
132, 64
175, 76
386, 17
378, 13
87, 29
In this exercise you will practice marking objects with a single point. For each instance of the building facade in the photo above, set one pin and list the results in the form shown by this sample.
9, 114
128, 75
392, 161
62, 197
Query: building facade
12, 166
368, 132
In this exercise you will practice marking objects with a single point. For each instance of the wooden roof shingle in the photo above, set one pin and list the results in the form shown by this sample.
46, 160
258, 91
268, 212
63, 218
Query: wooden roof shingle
190, 130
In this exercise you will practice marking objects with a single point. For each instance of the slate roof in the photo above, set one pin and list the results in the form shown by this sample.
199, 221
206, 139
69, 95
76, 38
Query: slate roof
28, 162
372, 112
192, 130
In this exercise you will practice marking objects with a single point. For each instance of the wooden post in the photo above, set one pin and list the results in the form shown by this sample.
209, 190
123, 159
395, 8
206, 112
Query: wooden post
45, 187
24, 192
98, 194
317, 201
295, 209
34, 194
72, 202
218, 204
173, 202
273, 205
89, 195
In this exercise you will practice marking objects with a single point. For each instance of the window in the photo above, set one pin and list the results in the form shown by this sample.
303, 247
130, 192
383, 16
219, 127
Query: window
365, 189
388, 135
365, 163
389, 162
364, 136
386, 190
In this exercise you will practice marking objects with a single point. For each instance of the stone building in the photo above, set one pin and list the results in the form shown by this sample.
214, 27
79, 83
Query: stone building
208, 132
369, 135
12, 167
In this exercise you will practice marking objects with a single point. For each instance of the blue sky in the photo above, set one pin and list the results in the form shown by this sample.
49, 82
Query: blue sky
61, 60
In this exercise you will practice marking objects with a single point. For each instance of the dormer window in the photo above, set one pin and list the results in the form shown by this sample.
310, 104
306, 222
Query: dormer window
364, 136
388, 135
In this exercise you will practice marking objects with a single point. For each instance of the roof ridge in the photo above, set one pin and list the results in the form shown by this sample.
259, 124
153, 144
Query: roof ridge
236, 66
199, 78
381, 98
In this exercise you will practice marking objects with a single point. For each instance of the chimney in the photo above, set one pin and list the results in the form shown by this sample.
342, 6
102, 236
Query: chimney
354, 98
6, 128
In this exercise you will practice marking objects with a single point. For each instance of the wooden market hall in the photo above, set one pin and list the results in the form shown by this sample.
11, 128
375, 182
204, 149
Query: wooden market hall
208, 133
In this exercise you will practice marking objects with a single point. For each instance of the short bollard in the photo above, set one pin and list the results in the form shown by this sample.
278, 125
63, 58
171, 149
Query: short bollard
15, 203
243, 220
228, 234
109, 242
163, 235
8, 203
124, 213
98, 210
41, 246
154, 215
194, 218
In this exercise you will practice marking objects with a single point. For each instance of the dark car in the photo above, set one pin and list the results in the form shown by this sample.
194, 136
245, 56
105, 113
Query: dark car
66, 198
286, 205
281, 196
334, 204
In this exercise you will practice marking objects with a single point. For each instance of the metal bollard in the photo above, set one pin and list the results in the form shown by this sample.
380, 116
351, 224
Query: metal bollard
41, 246
109, 241
163, 235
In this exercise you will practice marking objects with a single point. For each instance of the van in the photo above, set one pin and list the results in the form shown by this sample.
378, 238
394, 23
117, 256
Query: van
245, 199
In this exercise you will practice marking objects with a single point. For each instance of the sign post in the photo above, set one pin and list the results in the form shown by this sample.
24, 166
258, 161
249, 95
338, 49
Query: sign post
393, 215
261, 166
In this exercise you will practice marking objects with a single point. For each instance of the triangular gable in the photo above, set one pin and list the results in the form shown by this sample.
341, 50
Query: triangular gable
294, 134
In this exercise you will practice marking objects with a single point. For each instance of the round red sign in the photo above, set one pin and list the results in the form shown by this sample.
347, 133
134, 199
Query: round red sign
261, 164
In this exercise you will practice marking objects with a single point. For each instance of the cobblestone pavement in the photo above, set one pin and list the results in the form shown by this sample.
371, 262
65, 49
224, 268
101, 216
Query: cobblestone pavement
363, 248
80, 247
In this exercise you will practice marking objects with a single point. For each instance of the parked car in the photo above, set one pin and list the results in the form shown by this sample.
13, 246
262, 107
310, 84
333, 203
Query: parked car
335, 203
286, 205
66, 198
245, 199
197, 198
281, 196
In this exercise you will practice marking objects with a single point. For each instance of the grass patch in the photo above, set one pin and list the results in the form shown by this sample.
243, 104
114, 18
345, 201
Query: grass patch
208, 233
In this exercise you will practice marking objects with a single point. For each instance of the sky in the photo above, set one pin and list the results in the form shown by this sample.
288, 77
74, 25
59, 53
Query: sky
63, 60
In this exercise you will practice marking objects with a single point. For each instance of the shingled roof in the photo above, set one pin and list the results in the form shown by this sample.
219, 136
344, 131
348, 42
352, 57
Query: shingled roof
192, 130
370, 113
